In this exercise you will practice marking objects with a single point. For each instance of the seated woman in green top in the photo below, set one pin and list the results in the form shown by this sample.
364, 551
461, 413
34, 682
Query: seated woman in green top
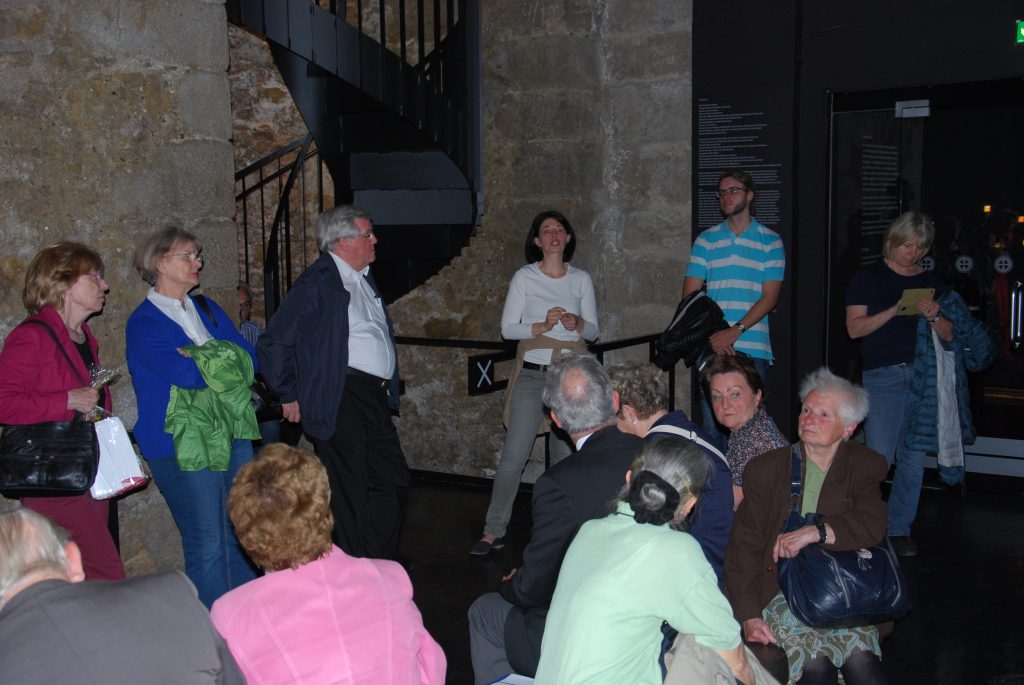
626, 574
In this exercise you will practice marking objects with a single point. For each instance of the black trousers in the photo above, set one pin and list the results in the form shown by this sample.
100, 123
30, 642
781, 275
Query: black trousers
367, 471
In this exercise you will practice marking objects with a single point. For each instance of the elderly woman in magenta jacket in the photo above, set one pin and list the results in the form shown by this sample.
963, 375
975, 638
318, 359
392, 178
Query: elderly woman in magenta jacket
64, 286
167, 321
318, 615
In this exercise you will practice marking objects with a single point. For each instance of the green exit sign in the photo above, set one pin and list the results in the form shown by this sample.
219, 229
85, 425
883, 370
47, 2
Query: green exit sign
1020, 32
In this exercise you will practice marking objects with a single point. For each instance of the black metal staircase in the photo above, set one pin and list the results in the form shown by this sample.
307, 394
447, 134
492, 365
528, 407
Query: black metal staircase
395, 117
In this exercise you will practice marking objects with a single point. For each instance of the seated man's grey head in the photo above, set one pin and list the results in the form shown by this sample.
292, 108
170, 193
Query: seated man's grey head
31, 546
580, 392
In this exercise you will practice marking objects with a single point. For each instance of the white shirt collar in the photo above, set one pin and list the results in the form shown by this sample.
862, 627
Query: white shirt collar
160, 299
183, 313
345, 269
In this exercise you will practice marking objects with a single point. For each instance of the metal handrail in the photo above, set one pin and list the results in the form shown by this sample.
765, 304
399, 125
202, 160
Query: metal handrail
428, 97
272, 278
272, 157
507, 348
276, 174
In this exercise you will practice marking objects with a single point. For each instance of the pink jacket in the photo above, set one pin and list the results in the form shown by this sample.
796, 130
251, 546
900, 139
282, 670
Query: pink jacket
35, 377
339, 619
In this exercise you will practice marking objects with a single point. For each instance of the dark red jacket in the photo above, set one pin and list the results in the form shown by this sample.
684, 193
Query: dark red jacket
34, 375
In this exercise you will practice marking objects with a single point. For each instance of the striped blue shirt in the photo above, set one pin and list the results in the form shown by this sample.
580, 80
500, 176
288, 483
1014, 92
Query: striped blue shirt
250, 331
734, 268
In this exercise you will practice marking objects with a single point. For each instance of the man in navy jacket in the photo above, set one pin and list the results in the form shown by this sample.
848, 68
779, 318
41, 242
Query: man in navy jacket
329, 353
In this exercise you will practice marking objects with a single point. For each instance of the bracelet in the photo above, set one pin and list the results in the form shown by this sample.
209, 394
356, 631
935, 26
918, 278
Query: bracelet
933, 319
822, 533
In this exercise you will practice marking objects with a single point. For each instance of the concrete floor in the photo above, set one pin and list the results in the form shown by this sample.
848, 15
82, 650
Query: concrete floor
967, 583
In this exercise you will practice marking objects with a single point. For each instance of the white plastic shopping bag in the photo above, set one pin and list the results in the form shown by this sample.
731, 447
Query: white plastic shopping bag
120, 470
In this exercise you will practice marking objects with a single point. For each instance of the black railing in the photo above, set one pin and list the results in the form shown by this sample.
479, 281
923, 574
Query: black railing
480, 365
439, 93
266, 207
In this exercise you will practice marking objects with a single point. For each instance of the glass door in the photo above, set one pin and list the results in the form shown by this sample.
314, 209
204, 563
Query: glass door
955, 152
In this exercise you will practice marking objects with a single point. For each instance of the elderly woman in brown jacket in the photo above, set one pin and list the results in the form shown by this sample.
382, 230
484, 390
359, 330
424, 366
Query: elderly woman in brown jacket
840, 482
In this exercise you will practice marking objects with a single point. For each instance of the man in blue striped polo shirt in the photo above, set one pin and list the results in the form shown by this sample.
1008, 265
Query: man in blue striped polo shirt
743, 263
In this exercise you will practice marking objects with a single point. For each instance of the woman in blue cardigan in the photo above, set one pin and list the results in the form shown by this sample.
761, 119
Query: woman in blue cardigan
164, 323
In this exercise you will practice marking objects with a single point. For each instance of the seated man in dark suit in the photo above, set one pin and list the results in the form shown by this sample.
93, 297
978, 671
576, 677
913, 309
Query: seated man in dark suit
506, 627
55, 627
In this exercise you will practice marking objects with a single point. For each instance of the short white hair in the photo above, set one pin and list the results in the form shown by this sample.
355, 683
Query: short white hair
853, 399
30, 544
337, 223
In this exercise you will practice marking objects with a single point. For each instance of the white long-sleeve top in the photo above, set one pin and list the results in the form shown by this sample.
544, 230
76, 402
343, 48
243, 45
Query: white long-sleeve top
532, 293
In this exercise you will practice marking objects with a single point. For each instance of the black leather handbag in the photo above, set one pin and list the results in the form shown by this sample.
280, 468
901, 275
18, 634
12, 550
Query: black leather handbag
55, 459
265, 404
830, 589
51, 459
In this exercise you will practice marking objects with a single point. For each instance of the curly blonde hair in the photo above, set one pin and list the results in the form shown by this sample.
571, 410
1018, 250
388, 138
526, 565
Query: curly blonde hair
280, 505
641, 386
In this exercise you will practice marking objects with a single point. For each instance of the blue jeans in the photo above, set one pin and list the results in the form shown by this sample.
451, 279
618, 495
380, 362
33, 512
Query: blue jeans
214, 560
270, 432
707, 414
525, 414
889, 388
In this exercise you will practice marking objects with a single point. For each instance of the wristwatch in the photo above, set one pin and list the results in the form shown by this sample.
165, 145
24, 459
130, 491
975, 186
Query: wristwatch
740, 326
822, 533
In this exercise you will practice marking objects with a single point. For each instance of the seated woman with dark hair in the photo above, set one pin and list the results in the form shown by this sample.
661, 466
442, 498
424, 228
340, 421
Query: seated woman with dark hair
630, 572
318, 615
736, 390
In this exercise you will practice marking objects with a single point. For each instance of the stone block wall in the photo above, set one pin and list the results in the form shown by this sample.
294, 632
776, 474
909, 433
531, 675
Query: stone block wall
587, 109
115, 120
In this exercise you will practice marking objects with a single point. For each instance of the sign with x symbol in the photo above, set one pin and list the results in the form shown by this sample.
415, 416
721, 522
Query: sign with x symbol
483, 373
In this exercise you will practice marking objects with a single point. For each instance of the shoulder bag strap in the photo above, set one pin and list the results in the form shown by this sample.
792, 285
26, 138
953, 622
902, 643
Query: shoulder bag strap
205, 306
795, 486
63, 352
59, 347
689, 435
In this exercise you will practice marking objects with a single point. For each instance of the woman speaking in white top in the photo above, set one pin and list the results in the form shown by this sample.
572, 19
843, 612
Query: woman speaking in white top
549, 309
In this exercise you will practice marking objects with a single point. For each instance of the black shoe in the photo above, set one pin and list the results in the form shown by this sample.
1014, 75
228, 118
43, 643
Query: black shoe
903, 546
481, 548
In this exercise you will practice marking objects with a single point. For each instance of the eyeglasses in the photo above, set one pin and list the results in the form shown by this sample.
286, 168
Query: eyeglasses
192, 256
726, 192
365, 236
98, 277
